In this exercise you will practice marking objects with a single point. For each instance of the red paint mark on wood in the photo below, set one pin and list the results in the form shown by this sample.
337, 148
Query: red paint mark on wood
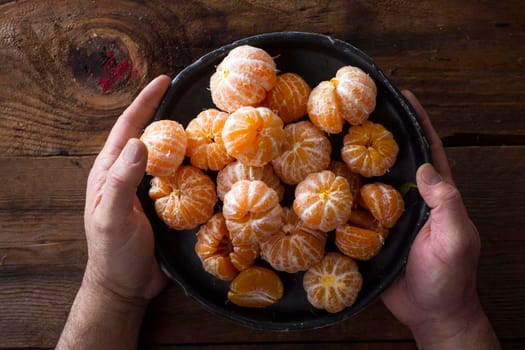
112, 72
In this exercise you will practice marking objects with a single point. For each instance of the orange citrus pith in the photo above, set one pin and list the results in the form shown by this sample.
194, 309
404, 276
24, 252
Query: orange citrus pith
219, 256
184, 199
354, 179
349, 96
289, 97
256, 287
236, 171
306, 150
205, 146
369, 149
334, 283
242, 78
294, 248
383, 201
254, 136
252, 211
262, 147
166, 144
323, 201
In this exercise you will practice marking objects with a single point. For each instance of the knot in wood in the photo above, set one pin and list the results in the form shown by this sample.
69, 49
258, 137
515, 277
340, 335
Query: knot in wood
101, 64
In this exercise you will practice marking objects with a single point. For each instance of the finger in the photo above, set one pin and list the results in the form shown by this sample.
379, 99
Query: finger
130, 124
442, 197
439, 156
122, 180
135, 118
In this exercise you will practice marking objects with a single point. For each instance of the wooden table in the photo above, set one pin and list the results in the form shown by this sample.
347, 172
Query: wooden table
67, 70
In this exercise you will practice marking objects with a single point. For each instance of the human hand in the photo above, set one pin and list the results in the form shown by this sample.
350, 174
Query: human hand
120, 241
437, 297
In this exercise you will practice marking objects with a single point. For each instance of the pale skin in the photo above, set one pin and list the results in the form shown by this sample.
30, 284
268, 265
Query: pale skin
436, 297
441, 308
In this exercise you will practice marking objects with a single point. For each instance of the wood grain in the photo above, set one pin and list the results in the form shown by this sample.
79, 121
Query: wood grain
54, 56
35, 250
67, 70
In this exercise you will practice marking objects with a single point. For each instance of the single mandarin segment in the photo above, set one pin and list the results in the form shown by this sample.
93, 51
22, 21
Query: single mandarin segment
294, 248
289, 97
252, 211
219, 256
306, 150
166, 143
253, 135
358, 243
369, 149
323, 201
383, 201
354, 180
256, 287
205, 146
242, 78
334, 283
349, 96
364, 219
185, 199
236, 171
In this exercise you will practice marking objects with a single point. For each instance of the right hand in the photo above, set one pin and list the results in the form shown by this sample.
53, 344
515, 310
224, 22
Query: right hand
438, 289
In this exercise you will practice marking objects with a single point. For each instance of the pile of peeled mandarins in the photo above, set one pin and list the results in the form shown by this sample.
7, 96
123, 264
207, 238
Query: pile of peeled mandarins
269, 131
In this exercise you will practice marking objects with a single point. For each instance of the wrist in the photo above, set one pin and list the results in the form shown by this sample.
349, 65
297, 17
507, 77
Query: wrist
109, 297
100, 318
466, 329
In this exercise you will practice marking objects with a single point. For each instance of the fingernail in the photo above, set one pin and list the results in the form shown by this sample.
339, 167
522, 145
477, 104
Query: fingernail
132, 152
430, 176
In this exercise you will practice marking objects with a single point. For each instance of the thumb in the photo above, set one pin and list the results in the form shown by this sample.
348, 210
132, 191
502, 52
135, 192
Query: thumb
442, 197
123, 178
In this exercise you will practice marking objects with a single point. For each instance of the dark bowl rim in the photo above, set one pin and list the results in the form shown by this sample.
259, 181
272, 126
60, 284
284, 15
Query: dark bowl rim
341, 46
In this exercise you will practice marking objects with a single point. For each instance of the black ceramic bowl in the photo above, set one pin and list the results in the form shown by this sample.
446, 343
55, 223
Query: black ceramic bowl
316, 58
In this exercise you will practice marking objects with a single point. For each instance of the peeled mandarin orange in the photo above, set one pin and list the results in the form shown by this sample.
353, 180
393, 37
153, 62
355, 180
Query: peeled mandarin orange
354, 180
256, 287
306, 150
350, 96
252, 211
242, 78
294, 248
289, 97
334, 283
184, 199
254, 136
217, 253
369, 149
383, 201
166, 143
323, 200
205, 146
236, 171
358, 243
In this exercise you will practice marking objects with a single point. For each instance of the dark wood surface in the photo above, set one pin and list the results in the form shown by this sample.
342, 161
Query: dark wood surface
67, 70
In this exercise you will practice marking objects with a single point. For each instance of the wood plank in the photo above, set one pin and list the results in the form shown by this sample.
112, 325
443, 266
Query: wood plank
56, 252
53, 101
35, 303
404, 345
305, 346
488, 177
492, 185
44, 184
38, 297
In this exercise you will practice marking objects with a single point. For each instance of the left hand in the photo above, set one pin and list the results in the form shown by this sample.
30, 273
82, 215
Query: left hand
121, 258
